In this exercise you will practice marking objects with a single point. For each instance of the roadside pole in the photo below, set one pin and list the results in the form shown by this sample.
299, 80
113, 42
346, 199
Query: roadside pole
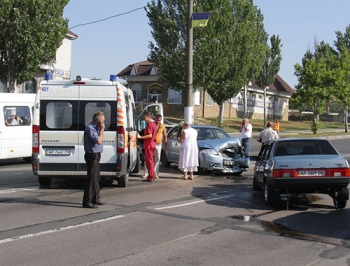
188, 112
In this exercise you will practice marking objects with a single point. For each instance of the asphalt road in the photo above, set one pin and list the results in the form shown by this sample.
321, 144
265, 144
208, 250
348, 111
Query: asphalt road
213, 220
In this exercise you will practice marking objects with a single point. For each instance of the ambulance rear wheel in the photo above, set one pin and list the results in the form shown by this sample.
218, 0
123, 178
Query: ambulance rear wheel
44, 181
123, 180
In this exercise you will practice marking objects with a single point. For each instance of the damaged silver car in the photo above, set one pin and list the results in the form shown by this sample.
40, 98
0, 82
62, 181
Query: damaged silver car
218, 152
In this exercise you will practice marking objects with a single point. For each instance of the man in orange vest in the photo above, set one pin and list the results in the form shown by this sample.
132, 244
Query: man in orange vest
276, 126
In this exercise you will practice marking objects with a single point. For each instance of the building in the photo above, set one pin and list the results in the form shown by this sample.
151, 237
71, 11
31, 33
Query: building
143, 80
59, 67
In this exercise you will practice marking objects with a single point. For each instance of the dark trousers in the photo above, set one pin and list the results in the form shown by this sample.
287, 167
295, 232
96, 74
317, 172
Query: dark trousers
149, 155
246, 145
92, 185
263, 146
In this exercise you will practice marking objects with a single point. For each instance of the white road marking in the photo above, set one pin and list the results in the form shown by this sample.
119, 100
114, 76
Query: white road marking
193, 202
13, 190
58, 229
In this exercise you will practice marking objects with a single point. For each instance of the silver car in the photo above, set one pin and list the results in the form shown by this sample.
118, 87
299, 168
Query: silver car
218, 152
302, 166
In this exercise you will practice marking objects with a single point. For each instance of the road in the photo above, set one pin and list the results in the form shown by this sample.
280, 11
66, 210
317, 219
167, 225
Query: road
169, 222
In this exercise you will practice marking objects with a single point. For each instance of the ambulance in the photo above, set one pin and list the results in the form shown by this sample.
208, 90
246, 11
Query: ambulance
16, 112
63, 109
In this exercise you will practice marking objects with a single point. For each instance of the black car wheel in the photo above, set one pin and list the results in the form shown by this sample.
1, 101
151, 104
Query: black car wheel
271, 196
123, 180
164, 160
44, 181
256, 184
341, 199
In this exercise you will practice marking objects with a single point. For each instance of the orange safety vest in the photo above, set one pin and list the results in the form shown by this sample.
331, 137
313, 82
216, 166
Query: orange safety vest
276, 127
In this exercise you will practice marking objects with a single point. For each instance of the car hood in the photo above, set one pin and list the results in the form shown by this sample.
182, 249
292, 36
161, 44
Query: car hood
219, 144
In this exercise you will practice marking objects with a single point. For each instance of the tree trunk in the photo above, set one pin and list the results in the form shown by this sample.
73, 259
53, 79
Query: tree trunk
221, 112
346, 112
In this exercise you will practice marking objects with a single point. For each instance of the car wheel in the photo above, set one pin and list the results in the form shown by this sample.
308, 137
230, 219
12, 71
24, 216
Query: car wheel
341, 199
164, 160
27, 159
44, 181
137, 165
271, 196
123, 180
256, 184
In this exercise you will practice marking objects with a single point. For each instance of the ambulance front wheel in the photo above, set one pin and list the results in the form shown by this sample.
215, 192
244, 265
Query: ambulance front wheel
123, 180
44, 181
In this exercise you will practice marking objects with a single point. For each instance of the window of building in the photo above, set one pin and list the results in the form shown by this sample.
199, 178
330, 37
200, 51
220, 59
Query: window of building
174, 97
209, 100
197, 97
30, 86
137, 92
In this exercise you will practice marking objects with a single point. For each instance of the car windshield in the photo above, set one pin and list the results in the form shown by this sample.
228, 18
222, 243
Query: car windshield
211, 133
304, 147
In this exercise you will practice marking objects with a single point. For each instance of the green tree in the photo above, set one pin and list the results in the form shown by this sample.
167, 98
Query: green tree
341, 71
30, 33
314, 81
271, 66
225, 51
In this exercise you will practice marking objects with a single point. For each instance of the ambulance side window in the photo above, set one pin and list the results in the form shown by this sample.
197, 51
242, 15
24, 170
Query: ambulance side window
92, 107
59, 115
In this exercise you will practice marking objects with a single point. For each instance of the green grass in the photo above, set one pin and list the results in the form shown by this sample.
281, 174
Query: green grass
233, 124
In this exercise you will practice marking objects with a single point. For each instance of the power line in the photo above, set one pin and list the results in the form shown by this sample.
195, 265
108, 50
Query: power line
100, 20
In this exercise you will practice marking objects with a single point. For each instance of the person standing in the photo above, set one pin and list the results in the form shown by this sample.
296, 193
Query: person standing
276, 126
265, 136
246, 135
93, 147
161, 139
149, 145
188, 160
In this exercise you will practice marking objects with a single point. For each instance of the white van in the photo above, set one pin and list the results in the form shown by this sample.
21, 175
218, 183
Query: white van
63, 109
16, 112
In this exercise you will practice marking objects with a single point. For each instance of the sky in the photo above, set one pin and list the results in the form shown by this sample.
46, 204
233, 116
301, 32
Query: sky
107, 47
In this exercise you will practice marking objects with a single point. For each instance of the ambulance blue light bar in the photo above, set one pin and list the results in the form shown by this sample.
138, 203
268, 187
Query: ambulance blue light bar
112, 77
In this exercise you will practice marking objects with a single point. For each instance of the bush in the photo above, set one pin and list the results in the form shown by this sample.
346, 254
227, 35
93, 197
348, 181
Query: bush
315, 126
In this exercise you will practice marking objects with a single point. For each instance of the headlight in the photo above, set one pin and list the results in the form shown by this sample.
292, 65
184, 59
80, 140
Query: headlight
209, 151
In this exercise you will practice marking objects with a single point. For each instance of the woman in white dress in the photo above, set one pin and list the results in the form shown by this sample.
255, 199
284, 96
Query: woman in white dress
188, 160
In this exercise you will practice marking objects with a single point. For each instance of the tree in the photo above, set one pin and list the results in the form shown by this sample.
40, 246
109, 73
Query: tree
314, 81
224, 51
30, 33
341, 70
271, 66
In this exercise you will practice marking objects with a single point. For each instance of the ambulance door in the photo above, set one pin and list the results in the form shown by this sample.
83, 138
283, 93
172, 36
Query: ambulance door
134, 158
154, 108
59, 149
108, 157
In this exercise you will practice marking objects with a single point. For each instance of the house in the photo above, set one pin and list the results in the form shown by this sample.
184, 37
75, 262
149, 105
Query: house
143, 79
59, 67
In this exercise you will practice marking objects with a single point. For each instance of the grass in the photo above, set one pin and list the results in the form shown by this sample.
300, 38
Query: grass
233, 125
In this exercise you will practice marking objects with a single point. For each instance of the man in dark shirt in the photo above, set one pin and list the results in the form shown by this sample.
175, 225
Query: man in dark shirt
149, 145
93, 136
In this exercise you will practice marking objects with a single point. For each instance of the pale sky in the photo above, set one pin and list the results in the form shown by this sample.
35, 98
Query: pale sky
109, 46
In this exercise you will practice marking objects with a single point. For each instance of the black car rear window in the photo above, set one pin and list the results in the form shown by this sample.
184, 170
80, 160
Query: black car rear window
304, 147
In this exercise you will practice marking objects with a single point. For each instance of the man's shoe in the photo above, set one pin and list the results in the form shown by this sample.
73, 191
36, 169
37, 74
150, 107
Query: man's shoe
148, 180
144, 177
100, 203
156, 176
90, 206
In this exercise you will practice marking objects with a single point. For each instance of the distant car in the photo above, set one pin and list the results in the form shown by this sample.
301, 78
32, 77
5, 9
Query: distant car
302, 166
218, 152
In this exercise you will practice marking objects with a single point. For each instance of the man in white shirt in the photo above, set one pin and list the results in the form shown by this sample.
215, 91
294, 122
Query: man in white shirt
246, 135
266, 135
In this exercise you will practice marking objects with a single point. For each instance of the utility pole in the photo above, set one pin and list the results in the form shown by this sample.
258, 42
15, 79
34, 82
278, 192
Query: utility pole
189, 114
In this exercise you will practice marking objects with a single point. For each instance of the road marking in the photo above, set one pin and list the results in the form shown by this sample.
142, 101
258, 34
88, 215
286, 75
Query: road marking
193, 202
59, 229
13, 190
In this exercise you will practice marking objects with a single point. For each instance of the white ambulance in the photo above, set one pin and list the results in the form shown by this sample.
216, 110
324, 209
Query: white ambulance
63, 109
16, 112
